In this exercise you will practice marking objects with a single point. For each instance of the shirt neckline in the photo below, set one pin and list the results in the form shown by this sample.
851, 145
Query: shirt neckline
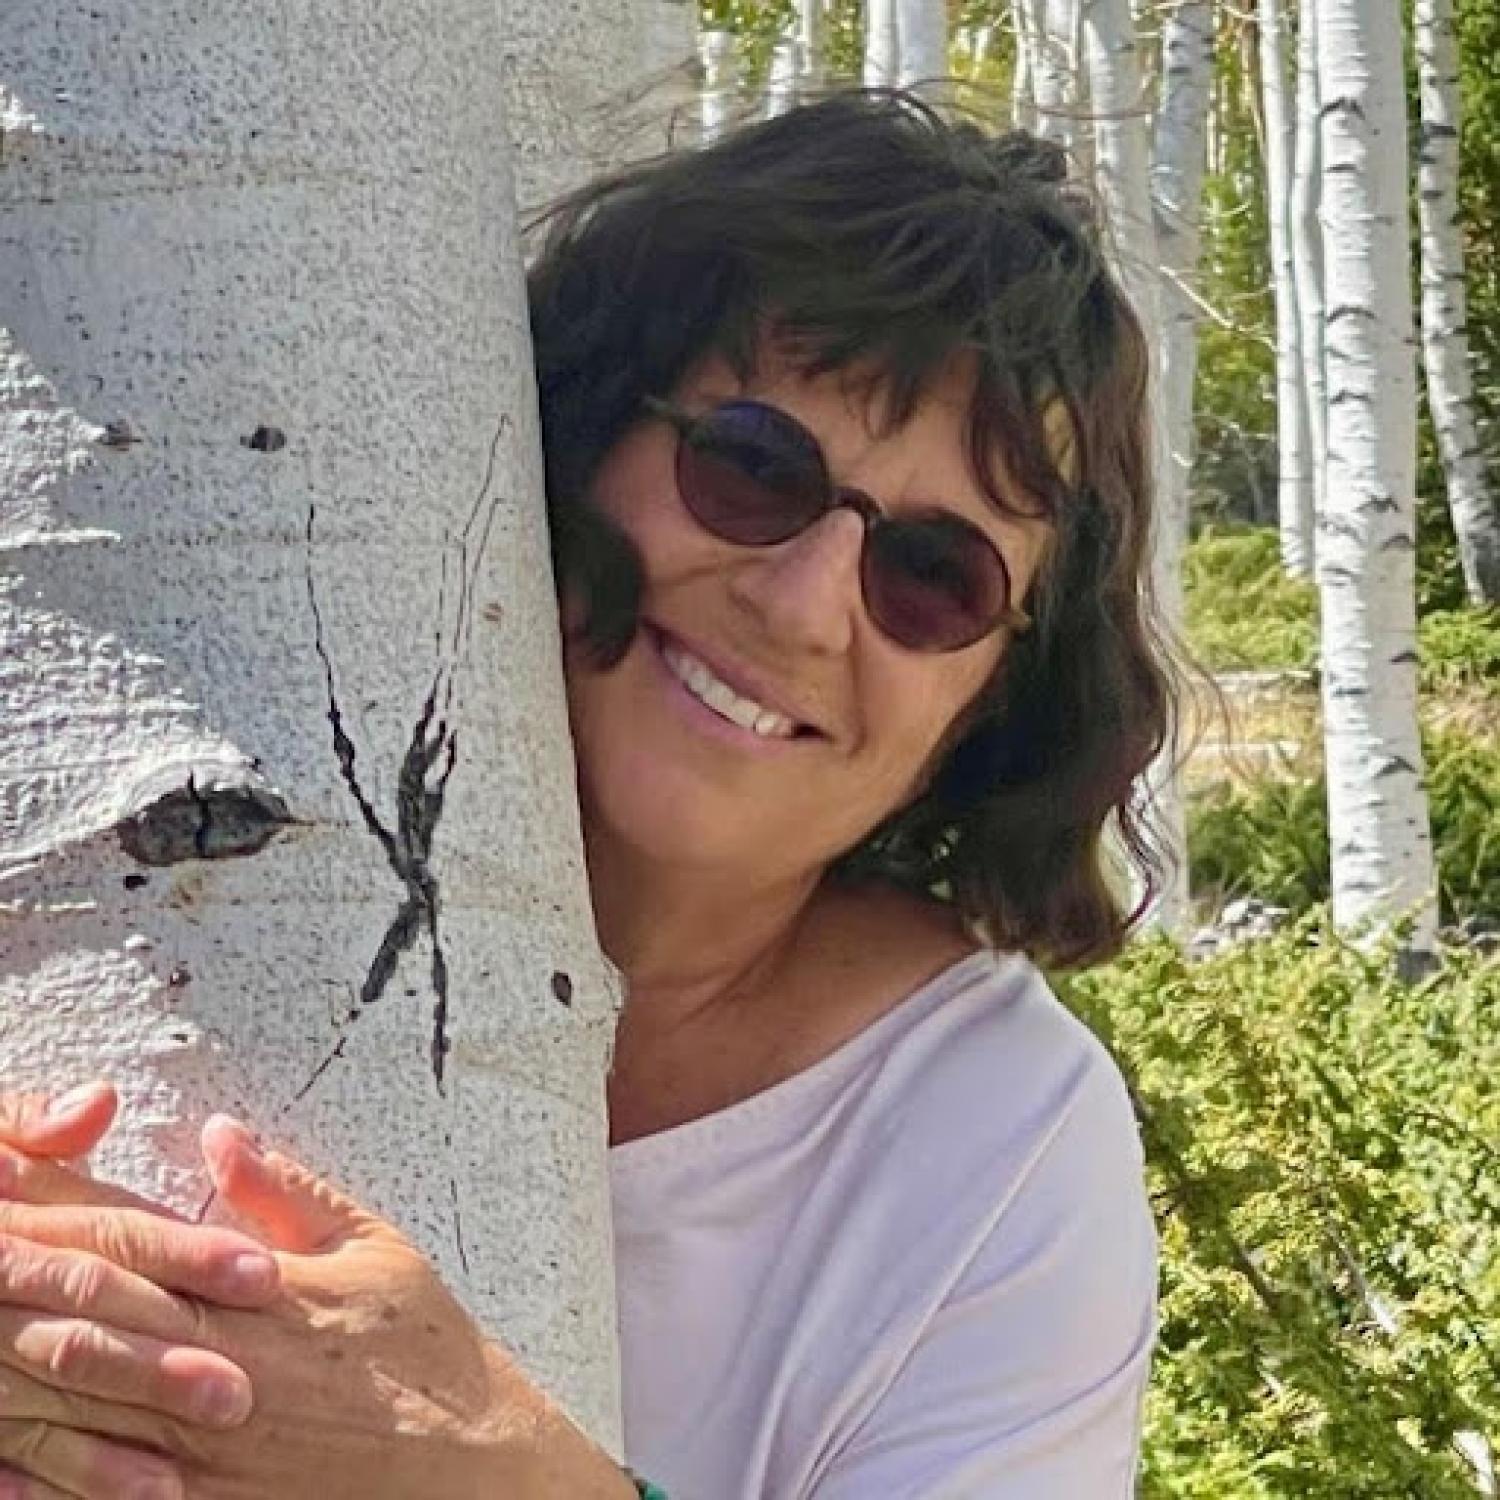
846, 1056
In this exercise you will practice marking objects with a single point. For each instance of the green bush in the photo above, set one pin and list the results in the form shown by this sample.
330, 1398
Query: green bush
1459, 649
1268, 836
1242, 610
1321, 1150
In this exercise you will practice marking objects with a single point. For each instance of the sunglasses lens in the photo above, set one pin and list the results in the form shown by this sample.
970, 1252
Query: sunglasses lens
934, 585
751, 475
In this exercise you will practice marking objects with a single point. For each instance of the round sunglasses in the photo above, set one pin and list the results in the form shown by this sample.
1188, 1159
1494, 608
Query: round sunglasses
755, 476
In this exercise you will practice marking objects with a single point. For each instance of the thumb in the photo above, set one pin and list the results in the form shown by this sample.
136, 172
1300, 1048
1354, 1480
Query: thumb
295, 1210
71, 1124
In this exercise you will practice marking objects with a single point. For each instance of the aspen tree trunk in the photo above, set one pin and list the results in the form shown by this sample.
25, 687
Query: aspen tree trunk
882, 44
1122, 156
1294, 481
1377, 806
811, 66
1177, 158
922, 45
781, 80
1445, 338
1306, 233
1047, 34
287, 816
716, 98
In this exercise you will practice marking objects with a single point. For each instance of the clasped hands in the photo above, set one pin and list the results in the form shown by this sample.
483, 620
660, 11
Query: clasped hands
146, 1358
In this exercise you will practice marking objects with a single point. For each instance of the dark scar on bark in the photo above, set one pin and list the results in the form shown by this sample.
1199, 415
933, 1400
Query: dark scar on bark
204, 821
421, 782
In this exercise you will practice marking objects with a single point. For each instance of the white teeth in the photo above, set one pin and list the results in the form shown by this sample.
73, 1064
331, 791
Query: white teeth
723, 699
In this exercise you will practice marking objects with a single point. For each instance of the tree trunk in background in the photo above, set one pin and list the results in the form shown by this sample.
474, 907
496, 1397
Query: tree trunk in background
781, 78
882, 44
1306, 233
287, 818
719, 59
1445, 337
811, 28
1177, 157
1377, 806
922, 45
1294, 484
1122, 155
1047, 32
591, 84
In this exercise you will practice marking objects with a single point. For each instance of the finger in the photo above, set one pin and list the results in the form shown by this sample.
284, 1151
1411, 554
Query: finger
81, 1464
78, 1283
296, 1210
61, 1125
70, 1124
219, 1265
15, 1485
24, 1179
113, 1364
23, 1398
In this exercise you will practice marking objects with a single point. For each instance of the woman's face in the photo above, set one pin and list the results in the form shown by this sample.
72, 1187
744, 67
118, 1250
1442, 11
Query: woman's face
675, 781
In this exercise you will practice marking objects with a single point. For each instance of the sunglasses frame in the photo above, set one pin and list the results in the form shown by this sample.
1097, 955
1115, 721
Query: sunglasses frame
838, 497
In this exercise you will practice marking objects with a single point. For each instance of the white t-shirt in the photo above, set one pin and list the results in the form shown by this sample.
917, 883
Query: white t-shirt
923, 1269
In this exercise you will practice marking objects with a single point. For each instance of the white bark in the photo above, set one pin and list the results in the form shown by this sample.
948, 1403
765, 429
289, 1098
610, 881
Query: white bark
594, 83
1122, 155
1177, 158
1378, 824
272, 562
922, 45
882, 44
720, 88
1306, 234
781, 80
1294, 485
1047, 36
811, 66
1445, 338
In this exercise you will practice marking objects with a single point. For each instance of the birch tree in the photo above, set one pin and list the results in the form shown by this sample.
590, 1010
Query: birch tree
1294, 484
1377, 807
1047, 39
287, 821
1121, 152
922, 45
1445, 339
882, 44
1177, 158
1306, 234
719, 60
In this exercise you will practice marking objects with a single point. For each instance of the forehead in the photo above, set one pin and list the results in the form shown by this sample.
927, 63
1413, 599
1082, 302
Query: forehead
922, 461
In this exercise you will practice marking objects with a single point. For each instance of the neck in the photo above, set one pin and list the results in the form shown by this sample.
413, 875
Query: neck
688, 941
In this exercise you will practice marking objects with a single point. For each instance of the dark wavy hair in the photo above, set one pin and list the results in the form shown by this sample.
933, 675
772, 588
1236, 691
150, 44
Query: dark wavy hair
871, 233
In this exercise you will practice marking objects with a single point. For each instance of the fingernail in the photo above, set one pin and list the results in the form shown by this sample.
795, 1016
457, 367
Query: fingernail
224, 1403
253, 1273
73, 1103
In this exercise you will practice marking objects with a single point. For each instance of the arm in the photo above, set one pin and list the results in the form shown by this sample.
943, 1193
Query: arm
364, 1368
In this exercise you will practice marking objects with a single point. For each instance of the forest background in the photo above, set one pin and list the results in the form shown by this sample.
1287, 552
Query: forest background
1322, 1124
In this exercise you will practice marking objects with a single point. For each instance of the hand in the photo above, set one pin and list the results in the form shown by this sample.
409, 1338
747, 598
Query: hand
370, 1380
115, 1333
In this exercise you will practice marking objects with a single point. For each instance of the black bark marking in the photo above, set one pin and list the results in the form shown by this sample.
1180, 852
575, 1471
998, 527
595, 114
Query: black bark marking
422, 780
562, 987
135, 882
458, 1223
204, 821
265, 440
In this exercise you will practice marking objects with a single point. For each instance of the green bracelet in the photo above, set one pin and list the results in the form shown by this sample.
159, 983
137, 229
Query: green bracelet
646, 1489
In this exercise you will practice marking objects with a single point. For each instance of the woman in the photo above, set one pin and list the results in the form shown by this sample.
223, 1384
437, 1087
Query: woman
844, 420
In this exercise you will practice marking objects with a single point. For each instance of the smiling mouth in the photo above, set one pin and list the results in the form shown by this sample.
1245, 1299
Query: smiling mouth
700, 681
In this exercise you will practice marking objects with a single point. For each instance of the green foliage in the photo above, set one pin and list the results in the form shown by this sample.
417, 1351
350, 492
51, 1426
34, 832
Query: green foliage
1460, 649
1320, 1144
1268, 836
1242, 610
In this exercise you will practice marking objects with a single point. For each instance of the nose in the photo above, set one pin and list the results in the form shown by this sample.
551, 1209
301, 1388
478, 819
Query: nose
806, 590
